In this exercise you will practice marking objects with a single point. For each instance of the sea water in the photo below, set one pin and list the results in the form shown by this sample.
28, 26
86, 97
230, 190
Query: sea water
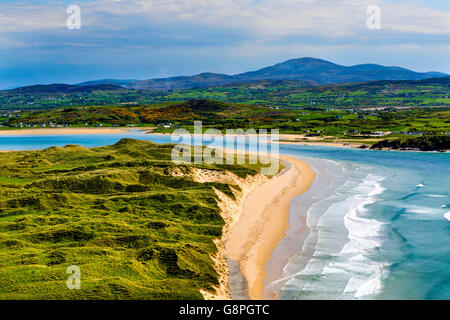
377, 227
374, 224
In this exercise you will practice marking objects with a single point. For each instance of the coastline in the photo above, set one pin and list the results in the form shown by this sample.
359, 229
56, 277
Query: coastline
147, 130
255, 222
293, 139
231, 211
226, 270
260, 218
300, 139
67, 131
263, 222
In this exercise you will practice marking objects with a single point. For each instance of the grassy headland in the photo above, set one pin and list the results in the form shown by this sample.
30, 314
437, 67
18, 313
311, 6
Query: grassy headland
135, 229
426, 143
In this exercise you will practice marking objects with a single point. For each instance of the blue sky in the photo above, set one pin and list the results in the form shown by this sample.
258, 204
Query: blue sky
137, 39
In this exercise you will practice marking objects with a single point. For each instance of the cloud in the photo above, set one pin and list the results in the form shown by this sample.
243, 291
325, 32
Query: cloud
264, 17
411, 18
170, 37
25, 16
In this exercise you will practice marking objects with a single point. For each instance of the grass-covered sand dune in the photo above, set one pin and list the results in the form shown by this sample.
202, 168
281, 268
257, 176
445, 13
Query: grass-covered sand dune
136, 230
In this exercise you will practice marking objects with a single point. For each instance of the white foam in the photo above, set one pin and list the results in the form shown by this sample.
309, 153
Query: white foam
363, 234
370, 287
420, 185
423, 213
348, 273
420, 210
447, 216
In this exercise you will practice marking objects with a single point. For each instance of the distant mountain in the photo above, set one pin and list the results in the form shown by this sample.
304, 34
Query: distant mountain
61, 88
106, 81
184, 82
306, 71
440, 81
325, 72
302, 69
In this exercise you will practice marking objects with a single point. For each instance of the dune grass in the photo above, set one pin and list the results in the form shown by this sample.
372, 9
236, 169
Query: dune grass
135, 230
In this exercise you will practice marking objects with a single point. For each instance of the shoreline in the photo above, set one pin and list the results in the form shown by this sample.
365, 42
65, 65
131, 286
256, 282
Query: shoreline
354, 146
263, 222
255, 222
286, 139
69, 131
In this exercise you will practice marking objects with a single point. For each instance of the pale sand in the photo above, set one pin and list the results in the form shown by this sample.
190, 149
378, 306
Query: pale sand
254, 223
264, 221
230, 211
148, 130
299, 139
66, 131
318, 143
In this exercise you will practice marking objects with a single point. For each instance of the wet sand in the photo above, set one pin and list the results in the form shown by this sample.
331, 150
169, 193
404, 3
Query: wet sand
264, 221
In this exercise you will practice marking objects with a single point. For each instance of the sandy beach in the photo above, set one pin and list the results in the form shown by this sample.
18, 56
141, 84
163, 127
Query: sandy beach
284, 138
319, 141
255, 222
258, 221
65, 131
264, 221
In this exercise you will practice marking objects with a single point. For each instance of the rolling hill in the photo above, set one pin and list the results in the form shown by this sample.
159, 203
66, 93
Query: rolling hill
277, 93
106, 81
325, 72
306, 71
311, 70
64, 89
184, 82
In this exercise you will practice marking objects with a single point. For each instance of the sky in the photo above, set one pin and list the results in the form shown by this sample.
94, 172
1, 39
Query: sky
144, 39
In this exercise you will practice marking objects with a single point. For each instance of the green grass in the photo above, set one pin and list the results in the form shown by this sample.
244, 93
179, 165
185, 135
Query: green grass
285, 94
425, 143
135, 231
220, 115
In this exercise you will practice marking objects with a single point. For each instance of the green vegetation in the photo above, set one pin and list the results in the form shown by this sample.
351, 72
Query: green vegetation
351, 113
426, 143
282, 93
346, 124
136, 230
292, 94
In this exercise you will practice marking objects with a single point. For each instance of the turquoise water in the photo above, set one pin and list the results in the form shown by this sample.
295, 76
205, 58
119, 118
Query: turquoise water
377, 222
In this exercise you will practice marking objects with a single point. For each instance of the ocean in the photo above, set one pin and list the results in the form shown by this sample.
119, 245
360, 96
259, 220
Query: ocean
374, 224
378, 227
